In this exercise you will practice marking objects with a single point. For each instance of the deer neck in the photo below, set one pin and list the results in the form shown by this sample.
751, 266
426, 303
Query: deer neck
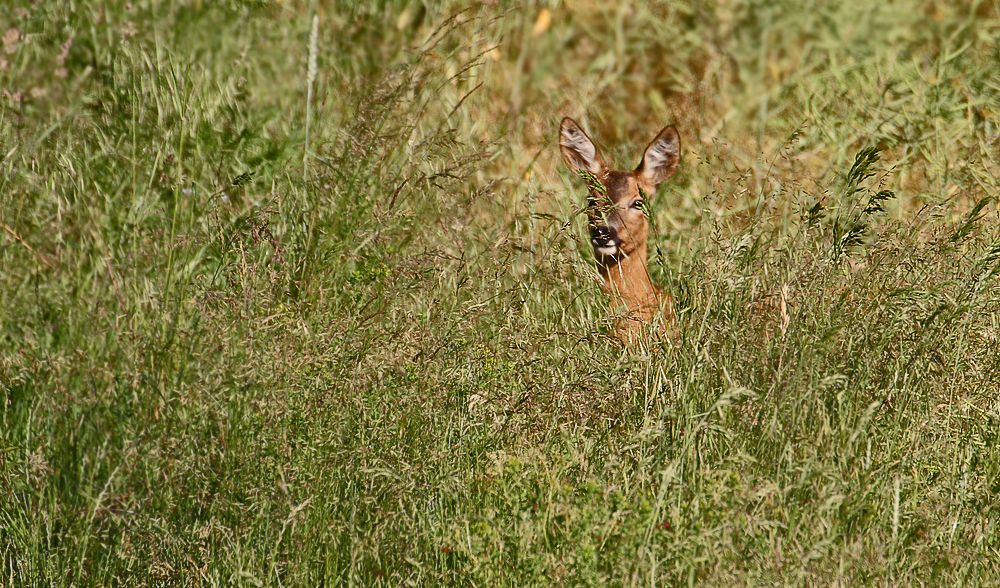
627, 280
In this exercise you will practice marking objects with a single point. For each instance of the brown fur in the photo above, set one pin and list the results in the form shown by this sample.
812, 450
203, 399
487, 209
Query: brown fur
618, 226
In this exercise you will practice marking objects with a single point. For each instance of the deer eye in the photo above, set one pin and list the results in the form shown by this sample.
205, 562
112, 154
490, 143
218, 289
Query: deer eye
638, 205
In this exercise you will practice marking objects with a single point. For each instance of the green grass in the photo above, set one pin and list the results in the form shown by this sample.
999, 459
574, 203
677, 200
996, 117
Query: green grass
385, 361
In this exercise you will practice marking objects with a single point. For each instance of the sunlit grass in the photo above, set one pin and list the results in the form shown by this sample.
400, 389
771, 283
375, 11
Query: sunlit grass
395, 367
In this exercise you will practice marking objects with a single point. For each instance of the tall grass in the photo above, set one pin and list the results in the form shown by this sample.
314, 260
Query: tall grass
395, 368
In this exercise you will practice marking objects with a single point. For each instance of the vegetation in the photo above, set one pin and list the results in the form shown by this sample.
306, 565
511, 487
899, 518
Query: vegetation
297, 294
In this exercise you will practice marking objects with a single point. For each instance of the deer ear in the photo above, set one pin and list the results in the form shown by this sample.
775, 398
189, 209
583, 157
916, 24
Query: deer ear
578, 151
660, 159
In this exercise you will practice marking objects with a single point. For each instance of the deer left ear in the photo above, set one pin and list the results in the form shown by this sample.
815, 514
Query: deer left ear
661, 157
578, 151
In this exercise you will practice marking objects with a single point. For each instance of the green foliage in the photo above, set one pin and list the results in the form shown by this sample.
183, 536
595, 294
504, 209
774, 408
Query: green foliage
594, 185
395, 369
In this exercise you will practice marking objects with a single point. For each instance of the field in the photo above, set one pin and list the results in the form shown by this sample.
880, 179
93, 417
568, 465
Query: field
299, 294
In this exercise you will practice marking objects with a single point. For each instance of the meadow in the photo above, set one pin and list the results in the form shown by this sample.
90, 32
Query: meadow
299, 294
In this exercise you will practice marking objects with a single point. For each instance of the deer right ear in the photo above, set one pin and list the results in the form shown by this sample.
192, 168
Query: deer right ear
578, 151
661, 157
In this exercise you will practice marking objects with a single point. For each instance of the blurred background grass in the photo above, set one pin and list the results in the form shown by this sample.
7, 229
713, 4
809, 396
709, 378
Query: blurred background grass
228, 360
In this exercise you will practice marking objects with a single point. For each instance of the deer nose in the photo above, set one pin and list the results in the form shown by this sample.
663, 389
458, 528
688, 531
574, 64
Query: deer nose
601, 236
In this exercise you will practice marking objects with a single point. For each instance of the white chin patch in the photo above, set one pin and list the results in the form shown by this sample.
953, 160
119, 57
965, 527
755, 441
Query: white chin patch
608, 251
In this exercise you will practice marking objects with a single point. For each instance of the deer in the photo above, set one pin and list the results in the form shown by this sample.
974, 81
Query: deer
617, 217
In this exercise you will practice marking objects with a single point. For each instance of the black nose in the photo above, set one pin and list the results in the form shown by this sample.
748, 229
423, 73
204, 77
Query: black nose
600, 236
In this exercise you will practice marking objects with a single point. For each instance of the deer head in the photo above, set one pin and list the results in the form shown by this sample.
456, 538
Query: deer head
616, 200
